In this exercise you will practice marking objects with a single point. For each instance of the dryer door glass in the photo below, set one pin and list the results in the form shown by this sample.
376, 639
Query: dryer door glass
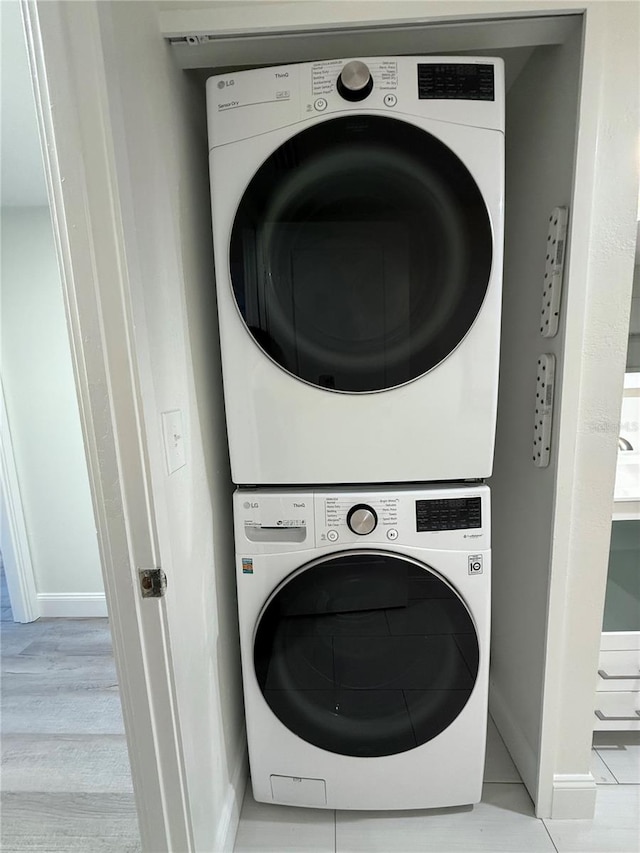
360, 254
366, 654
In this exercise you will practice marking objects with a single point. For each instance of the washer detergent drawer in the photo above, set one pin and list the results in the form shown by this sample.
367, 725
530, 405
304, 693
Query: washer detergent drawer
298, 791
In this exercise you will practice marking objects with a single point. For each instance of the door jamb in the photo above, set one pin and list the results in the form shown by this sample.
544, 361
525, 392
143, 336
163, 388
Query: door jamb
18, 565
65, 57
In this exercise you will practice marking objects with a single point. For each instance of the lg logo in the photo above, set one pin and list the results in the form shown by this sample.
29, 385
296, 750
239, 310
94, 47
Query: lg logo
222, 84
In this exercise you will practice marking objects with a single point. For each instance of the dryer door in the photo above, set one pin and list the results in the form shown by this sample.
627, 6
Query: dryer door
366, 653
360, 253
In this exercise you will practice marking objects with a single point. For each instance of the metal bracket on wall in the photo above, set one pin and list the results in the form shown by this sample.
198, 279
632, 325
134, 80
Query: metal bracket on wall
554, 268
543, 417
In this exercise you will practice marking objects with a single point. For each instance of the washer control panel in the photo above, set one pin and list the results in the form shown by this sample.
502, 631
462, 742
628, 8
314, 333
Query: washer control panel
455, 517
442, 517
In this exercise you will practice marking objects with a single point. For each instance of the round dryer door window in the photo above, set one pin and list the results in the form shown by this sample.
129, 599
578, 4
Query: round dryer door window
366, 654
360, 254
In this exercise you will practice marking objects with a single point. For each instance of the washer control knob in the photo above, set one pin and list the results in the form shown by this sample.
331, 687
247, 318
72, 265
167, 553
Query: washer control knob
355, 81
362, 519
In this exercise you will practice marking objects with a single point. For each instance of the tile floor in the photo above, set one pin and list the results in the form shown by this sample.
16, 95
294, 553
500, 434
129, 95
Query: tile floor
66, 784
503, 821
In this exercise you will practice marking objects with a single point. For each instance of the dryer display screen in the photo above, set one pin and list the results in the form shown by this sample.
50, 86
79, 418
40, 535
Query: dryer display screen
462, 82
448, 514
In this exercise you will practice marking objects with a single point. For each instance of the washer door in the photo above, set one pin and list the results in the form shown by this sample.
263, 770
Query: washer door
366, 653
360, 253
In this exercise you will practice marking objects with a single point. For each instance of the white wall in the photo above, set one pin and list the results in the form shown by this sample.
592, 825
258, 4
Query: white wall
540, 139
596, 330
43, 414
21, 172
158, 116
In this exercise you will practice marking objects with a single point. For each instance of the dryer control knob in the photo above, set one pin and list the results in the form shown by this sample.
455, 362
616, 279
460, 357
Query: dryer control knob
362, 519
355, 81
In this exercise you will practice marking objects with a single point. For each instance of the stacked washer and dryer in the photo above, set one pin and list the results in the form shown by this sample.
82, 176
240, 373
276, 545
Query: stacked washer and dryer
358, 226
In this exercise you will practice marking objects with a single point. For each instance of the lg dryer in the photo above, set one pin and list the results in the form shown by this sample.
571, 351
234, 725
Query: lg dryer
358, 228
364, 631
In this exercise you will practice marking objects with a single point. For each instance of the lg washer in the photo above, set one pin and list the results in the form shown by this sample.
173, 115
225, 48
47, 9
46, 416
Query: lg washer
364, 630
357, 228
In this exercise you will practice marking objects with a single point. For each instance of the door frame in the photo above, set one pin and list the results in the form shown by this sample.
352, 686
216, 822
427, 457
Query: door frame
67, 68
16, 551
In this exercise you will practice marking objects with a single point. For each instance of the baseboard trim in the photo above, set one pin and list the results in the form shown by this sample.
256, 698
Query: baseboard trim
72, 604
230, 814
521, 752
574, 796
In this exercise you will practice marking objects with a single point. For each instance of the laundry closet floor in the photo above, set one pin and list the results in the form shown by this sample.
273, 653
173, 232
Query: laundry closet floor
503, 821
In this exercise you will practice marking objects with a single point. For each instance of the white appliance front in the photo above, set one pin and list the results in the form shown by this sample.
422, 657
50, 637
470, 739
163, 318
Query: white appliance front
364, 630
358, 254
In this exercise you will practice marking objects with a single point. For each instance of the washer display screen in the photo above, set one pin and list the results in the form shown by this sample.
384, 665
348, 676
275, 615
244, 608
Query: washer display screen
366, 654
448, 514
360, 253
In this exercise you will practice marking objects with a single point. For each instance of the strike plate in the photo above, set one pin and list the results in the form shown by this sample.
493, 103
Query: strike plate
153, 583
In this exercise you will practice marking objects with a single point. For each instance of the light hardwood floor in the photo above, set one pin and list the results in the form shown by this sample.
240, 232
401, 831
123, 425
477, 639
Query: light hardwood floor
66, 782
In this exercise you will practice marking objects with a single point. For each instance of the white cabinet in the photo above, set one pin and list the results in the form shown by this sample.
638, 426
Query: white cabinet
618, 684
617, 705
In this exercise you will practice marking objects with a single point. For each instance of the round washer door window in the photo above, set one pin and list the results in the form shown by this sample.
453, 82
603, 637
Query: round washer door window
360, 254
366, 654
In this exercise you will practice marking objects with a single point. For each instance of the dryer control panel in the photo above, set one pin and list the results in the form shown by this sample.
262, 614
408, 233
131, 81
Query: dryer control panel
463, 89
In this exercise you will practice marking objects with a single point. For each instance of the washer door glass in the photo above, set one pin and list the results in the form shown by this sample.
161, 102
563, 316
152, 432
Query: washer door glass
360, 253
366, 654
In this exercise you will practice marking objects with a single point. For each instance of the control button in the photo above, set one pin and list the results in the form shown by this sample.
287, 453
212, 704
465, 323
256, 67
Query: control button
392, 534
332, 535
390, 100
355, 81
362, 519
320, 104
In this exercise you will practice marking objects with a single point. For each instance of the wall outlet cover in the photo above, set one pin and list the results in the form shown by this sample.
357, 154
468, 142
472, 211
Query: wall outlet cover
173, 435
553, 272
543, 417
